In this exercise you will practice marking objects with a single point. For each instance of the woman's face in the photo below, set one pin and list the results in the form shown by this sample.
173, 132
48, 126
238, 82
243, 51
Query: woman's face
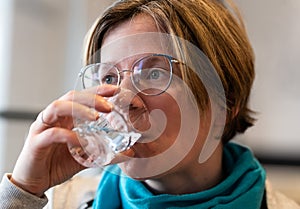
174, 118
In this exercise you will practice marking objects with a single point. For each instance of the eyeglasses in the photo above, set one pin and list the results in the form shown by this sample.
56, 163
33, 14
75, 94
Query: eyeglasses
151, 75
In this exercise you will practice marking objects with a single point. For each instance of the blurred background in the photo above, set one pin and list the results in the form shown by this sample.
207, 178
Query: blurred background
40, 56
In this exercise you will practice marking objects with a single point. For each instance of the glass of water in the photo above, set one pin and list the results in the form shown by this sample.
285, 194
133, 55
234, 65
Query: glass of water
112, 133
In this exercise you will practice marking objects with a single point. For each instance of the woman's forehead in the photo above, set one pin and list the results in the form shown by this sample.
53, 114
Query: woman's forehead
136, 45
131, 38
141, 23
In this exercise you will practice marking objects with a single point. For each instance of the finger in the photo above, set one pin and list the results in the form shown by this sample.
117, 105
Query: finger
89, 99
105, 90
61, 109
74, 105
55, 135
62, 113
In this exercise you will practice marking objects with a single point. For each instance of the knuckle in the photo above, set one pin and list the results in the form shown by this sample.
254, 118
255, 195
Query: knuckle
55, 104
70, 94
51, 133
33, 125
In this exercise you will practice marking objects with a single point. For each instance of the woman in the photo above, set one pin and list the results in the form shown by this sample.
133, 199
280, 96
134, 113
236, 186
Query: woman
199, 66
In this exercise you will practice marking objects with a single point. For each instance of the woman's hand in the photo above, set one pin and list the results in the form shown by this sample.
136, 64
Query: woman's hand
45, 160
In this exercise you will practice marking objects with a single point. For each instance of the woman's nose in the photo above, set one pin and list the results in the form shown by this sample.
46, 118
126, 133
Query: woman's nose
126, 82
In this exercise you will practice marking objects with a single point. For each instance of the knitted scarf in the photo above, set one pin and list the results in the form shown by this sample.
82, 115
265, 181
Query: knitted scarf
243, 187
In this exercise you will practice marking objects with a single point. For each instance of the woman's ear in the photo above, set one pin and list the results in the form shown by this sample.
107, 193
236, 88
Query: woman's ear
214, 138
219, 121
221, 115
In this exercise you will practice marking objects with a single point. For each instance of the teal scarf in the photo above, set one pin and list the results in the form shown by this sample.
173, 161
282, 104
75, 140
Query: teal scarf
242, 188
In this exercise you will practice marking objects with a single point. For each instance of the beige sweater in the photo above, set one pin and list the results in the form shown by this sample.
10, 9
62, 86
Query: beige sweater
82, 188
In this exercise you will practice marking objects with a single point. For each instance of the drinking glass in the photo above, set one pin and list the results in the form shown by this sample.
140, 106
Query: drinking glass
112, 133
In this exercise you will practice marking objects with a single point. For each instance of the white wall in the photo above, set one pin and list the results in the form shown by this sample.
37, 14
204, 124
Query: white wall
274, 30
40, 48
39, 63
6, 14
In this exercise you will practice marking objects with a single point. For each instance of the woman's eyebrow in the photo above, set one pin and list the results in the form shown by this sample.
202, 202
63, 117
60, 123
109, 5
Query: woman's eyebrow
131, 59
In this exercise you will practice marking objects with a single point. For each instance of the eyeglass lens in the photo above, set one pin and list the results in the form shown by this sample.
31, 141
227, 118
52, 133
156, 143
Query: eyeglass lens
150, 75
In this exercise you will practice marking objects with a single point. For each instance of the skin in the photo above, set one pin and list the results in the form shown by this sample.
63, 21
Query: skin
45, 160
188, 176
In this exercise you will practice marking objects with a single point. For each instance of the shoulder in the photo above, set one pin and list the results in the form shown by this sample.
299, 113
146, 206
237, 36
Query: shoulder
76, 191
84, 187
277, 200
12, 196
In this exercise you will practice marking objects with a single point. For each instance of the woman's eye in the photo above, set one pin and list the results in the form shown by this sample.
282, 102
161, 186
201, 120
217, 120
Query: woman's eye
110, 79
154, 74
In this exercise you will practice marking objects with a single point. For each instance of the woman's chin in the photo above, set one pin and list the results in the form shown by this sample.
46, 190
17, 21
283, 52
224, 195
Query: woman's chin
135, 170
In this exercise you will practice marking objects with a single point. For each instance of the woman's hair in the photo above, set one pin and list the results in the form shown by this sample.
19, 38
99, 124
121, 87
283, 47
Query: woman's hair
216, 28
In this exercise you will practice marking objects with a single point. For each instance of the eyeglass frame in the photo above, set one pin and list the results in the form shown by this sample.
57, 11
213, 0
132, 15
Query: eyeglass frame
170, 59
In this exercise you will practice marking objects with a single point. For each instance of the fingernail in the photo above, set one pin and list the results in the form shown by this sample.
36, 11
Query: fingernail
108, 105
94, 113
107, 90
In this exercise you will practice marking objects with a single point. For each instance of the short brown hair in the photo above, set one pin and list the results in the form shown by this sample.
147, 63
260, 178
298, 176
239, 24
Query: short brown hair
216, 28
